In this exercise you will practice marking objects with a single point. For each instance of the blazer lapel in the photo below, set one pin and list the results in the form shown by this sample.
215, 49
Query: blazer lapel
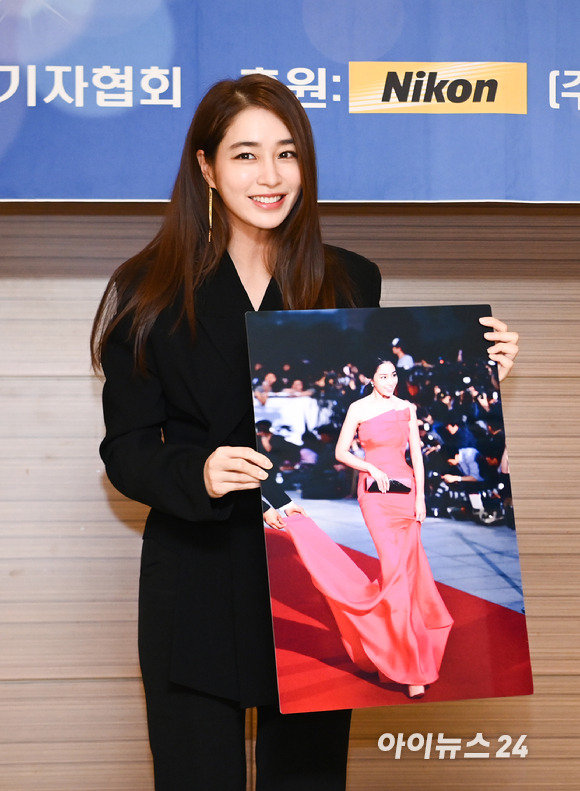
221, 305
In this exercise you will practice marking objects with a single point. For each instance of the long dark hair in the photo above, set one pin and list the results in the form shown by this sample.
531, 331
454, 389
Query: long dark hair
180, 257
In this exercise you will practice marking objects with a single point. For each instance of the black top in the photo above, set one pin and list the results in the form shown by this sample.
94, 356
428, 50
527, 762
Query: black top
160, 429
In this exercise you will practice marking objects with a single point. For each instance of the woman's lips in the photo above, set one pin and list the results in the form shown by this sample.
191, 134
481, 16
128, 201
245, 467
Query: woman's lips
268, 200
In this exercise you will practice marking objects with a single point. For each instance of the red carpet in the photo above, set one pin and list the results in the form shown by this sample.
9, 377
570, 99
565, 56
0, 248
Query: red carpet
487, 654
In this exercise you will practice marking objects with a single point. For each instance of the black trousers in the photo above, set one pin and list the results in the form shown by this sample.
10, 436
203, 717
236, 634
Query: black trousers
198, 740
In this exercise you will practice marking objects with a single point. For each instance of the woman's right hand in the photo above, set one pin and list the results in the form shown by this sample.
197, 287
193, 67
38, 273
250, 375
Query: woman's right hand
230, 469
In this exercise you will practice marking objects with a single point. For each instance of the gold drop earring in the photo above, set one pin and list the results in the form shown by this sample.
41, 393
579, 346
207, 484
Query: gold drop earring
210, 214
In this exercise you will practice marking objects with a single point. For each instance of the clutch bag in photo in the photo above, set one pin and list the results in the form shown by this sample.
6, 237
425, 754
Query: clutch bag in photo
395, 486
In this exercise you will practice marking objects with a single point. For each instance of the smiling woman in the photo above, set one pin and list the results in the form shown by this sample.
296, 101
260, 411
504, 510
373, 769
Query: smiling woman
241, 232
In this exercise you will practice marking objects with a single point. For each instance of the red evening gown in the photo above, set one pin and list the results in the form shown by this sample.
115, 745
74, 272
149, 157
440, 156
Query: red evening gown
398, 624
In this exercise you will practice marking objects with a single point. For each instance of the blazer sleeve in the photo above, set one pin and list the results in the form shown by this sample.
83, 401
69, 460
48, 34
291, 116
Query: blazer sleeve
273, 494
139, 463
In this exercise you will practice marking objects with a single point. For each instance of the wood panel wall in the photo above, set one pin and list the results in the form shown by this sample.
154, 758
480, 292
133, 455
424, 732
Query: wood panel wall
71, 708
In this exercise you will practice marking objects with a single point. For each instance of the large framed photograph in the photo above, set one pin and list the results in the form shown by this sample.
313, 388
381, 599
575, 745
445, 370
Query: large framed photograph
389, 522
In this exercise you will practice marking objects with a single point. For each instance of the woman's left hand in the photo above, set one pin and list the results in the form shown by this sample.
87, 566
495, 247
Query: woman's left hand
505, 348
420, 509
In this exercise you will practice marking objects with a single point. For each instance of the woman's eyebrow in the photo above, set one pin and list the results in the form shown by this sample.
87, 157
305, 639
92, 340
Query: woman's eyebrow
254, 144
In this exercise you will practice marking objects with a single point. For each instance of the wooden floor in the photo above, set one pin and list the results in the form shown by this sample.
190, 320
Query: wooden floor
71, 708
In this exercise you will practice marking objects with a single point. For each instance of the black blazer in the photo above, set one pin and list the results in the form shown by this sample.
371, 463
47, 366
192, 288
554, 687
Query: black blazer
160, 429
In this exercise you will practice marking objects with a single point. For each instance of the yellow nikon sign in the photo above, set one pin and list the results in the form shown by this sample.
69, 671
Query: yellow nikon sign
437, 87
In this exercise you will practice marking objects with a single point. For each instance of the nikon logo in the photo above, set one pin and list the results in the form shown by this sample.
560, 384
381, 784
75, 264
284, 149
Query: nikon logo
415, 88
438, 87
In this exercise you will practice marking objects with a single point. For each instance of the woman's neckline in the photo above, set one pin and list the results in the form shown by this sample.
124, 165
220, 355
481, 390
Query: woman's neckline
386, 412
257, 304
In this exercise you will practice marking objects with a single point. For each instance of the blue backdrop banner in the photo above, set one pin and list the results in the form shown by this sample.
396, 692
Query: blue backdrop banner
410, 100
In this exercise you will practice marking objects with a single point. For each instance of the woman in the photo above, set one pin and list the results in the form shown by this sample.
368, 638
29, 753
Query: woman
241, 233
397, 625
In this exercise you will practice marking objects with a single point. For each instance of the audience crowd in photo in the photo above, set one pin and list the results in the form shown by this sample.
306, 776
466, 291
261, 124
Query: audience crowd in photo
460, 424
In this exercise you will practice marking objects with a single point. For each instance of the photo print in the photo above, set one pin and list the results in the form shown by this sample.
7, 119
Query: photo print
380, 596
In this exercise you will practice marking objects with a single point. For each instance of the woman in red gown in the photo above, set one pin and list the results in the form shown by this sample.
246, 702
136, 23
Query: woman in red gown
398, 624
